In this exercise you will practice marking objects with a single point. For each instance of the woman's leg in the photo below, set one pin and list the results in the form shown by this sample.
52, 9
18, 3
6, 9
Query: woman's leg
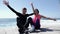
37, 25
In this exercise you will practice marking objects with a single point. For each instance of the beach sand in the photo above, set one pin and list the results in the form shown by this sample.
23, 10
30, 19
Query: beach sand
50, 27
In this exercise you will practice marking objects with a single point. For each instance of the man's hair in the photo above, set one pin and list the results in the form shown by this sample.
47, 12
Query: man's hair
24, 9
37, 10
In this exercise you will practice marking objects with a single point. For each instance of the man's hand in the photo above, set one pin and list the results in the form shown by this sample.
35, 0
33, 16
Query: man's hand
5, 2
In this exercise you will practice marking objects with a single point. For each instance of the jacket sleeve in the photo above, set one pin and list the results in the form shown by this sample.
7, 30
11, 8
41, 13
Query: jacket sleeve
17, 13
30, 14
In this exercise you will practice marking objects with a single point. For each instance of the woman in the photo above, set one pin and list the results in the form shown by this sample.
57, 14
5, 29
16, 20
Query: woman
35, 22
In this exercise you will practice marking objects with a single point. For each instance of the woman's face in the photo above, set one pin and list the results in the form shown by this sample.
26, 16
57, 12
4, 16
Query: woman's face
36, 12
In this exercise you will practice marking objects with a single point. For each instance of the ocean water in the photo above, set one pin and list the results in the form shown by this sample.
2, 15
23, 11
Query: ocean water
11, 22
7, 22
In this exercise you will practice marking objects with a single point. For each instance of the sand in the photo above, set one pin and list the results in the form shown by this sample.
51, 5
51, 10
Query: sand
50, 27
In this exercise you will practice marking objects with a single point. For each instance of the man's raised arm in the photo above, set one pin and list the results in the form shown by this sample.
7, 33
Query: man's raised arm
7, 4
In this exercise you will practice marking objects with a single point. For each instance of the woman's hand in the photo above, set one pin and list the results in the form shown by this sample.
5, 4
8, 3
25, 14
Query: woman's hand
54, 19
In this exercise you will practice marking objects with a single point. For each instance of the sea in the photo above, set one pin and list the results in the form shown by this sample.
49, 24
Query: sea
11, 22
7, 22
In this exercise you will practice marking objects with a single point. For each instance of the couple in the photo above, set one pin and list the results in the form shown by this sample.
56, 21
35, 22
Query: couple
22, 17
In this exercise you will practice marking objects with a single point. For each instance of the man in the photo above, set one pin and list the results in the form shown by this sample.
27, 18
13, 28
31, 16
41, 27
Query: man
21, 20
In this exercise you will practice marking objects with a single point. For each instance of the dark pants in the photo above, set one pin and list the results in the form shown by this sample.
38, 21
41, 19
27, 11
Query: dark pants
36, 25
21, 26
29, 21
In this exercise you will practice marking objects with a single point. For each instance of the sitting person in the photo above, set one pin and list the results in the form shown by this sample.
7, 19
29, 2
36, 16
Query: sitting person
35, 22
22, 17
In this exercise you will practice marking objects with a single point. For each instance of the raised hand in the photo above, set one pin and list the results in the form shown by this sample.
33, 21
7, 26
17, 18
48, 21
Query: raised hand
5, 2
31, 3
32, 6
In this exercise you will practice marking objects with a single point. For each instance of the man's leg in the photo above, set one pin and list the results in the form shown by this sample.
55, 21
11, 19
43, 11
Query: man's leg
19, 25
29, 21
21, 31
32, 24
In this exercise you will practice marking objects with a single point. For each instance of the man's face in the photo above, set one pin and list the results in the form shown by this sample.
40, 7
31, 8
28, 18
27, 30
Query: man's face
24, 11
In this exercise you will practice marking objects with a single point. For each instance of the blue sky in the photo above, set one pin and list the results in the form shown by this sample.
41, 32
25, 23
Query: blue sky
49, 8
